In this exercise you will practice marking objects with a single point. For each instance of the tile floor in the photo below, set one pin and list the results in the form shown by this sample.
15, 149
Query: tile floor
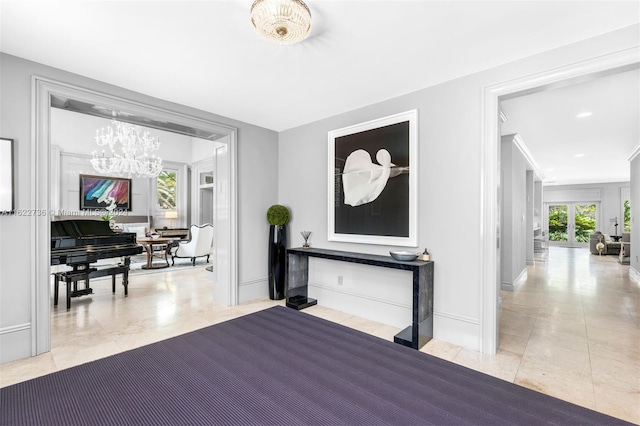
571, 331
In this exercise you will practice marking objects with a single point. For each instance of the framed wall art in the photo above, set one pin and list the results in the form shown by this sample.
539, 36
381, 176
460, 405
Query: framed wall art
96, 190
373, 181
7, 177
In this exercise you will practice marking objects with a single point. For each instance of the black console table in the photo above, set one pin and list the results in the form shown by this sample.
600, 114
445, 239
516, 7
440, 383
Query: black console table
421, 329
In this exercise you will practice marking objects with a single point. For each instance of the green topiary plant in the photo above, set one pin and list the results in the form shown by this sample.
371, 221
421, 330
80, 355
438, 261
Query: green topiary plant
278, 215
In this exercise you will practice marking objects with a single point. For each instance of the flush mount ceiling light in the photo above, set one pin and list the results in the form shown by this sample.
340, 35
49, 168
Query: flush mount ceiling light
584, 114
281, 21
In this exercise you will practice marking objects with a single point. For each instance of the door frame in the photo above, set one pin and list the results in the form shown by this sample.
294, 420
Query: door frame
43, 89
622, 60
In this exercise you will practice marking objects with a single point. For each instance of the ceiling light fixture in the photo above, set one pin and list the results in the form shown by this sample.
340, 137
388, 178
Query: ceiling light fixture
131, 149
281, 21
584, 114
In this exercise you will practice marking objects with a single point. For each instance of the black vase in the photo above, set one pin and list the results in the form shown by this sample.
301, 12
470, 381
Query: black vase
277, 261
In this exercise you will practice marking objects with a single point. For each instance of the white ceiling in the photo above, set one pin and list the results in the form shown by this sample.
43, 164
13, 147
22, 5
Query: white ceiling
206, 55
575, 150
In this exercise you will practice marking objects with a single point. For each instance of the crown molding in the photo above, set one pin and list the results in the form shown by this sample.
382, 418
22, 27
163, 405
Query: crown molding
519, 143
634, 152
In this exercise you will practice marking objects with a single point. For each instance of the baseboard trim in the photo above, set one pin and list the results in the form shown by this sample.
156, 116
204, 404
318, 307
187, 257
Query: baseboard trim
455, 317
252, 282
507, 286
634, 275
15, 328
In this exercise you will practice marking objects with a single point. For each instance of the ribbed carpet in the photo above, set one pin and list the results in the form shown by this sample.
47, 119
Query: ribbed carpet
279, 367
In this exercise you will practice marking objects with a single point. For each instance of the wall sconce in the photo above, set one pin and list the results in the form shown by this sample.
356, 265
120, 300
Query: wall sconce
7, 180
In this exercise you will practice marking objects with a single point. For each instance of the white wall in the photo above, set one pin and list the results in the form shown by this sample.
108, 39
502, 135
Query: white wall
257, 154
449, 210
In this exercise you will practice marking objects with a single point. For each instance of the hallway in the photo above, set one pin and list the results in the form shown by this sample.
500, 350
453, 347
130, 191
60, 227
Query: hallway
572, 330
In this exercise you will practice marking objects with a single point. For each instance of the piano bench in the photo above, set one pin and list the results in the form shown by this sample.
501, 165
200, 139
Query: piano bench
71, 279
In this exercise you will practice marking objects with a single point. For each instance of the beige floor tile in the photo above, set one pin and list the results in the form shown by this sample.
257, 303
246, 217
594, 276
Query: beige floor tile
441, 349
569, 385
512, 343
616, 401
503, 365
28, 368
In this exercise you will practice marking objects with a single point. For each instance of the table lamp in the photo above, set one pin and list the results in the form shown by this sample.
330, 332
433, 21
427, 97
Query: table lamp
171, 215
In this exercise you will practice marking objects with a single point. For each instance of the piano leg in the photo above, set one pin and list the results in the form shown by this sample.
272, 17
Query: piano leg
69, 283
56, 288
125, 275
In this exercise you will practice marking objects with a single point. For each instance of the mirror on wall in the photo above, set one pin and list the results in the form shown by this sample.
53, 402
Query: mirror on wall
7, 187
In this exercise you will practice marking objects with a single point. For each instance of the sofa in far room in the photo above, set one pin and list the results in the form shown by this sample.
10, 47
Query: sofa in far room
610, 246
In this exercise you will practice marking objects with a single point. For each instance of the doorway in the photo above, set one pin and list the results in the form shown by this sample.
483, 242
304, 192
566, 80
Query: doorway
45, 92
490, 165
570, 224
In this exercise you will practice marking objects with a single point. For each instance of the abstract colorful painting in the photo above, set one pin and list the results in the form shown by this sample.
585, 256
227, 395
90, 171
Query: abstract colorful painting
96, 190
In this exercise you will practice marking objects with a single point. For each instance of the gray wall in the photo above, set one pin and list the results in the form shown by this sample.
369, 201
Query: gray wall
635, 215
257, 154
513, 230
449, 209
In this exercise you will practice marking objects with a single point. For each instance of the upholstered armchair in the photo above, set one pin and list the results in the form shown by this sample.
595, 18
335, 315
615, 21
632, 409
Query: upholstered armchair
610, 246
199, 245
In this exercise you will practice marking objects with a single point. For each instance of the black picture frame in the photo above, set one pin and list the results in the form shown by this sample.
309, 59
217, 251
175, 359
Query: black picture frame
7, 176
94, 191
373, 182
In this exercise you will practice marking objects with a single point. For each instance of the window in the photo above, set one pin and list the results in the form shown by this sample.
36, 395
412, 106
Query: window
627, 216
168, 190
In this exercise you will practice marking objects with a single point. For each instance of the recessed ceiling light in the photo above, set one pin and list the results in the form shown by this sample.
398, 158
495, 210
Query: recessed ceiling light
584, 114
579, 155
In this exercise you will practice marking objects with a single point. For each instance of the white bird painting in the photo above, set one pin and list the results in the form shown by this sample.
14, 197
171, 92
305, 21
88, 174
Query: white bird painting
363, 180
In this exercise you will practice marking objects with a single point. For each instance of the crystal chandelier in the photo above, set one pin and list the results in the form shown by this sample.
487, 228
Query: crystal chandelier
131, 148
281, 21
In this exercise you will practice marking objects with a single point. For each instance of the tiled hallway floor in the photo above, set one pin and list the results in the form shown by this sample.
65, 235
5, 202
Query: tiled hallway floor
571, 331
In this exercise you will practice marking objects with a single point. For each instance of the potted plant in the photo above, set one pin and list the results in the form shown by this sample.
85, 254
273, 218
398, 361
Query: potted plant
278, 217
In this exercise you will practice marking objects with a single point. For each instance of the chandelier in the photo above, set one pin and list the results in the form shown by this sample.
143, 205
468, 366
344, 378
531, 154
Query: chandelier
131, 149
281, 21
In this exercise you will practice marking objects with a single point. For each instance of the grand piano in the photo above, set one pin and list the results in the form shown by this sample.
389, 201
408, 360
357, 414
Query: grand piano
79, 244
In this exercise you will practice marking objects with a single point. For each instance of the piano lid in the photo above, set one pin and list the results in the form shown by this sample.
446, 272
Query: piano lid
80, 228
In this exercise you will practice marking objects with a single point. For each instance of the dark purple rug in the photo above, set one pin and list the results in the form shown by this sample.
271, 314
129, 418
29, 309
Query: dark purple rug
279, 367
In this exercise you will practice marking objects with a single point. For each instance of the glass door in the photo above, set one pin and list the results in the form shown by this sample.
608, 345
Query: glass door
584, 223
558, 224
570, 224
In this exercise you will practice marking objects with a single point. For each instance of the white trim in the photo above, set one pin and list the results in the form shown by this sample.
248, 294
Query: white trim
410, 241
489, 172
634, 153
634, 275
255, 281
522, 277
461, 318
42, 90
15, 328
